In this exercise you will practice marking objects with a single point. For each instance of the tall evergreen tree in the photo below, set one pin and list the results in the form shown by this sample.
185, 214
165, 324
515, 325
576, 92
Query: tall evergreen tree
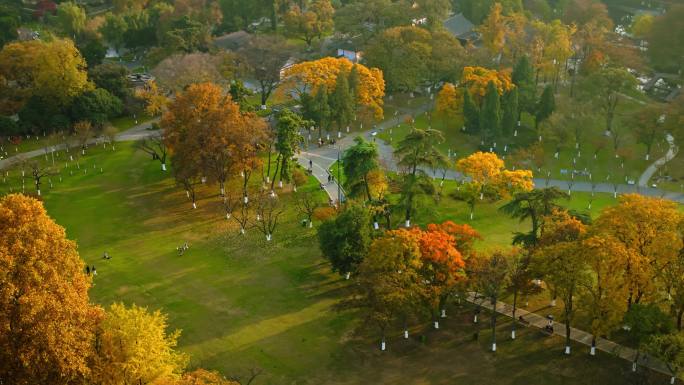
523, 78
510, 112
342, 102
545, 107
471, 113
321, 108
490, 114
288, 126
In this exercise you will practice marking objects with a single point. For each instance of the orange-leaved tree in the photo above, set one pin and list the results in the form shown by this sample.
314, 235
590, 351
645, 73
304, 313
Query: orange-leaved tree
311, 76
443, 265
203, 125
486, 175
46, 320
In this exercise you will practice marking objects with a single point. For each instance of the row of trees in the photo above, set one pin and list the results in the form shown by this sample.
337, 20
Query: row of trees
622, 269
53, 334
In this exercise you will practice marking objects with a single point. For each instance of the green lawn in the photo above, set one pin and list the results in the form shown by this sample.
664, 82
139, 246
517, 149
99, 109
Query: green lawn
243, 302
604, 168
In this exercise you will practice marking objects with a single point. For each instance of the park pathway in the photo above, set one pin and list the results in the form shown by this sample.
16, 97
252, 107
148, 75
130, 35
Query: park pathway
577, 335
671, 152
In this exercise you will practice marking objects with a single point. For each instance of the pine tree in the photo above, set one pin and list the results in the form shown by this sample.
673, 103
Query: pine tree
523, 78
342, 102
471, 113
510, 112
490, 114
545, 107
322, 109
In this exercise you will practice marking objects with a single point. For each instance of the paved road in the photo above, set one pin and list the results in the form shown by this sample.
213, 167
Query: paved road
323, 157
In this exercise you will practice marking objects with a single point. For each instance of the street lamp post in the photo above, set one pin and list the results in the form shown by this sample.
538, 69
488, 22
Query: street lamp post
339, 192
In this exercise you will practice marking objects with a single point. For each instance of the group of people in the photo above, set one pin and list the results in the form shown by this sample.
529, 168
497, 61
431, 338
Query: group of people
91, 270
182, 249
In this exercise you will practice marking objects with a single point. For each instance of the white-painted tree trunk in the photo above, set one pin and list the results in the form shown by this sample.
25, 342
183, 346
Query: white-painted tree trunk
553, 302
481, 196
475, 319
310, 224
405, 334
375, 225
242, 230
245, 199
223, 191
512, 334
263, 106
346, 276
672, 380
493, 346
407, 223
280, 184
443, 315
436, 324
382, 346
227, 215
268, 179
187, 193
567, 349
615, 194
472, 215
194, 205
39, 192
294, 187
648, 156
592, 351
268, 237
163, 166
634, 366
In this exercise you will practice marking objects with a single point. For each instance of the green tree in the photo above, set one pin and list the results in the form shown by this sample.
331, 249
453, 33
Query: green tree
342, 102
96, 106
523, 78
535, 205
643, 322
491, 279
471, 113
664, 49
358, 162
321, 108
490, 115
606, 87
288, 140
9, 23
93, 51
113, 30
416, 151
668, 348
545, 106
111, 77
510, 112
344, 240
71, 18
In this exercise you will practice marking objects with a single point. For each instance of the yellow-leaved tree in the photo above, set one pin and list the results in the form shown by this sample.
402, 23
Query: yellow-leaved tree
46, 322
133, 347
449, 104
53, 70
476, 79
486, 175
307, 77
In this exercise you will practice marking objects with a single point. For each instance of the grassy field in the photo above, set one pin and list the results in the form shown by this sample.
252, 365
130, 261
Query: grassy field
243, 302
606, 167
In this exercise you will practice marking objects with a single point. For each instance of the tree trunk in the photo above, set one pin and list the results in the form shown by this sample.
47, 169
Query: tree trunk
494, 323
515, 303
680, 312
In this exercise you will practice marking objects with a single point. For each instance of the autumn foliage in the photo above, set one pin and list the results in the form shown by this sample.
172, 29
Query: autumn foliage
487, 171
309, 76
46, 322
476, 79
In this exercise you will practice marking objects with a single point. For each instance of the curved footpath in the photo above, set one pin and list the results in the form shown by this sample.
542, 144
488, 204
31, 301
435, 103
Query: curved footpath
671, 153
